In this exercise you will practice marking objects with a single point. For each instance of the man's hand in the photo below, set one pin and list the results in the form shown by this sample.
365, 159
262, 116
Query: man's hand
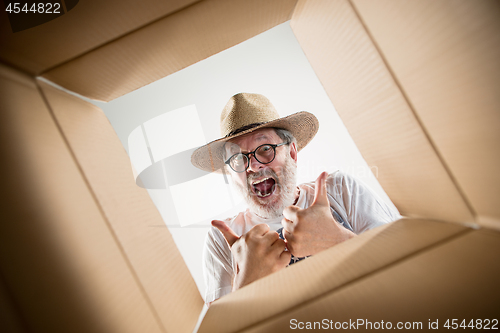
312, 230
258, 253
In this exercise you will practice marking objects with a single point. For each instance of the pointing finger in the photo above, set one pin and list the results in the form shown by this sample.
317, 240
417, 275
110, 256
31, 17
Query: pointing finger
227, 232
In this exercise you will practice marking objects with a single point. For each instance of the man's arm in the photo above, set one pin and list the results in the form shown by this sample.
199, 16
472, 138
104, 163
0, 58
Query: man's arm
364, 209
217, 266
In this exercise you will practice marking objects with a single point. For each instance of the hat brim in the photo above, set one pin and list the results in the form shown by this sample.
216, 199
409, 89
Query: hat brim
303, 126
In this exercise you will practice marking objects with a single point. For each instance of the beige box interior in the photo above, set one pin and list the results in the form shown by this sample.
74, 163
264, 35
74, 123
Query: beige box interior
416, 84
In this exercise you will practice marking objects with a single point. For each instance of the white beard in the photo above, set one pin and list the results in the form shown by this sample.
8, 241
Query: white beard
285, 183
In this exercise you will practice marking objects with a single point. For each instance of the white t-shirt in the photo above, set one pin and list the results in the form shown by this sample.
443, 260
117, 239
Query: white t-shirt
351, 202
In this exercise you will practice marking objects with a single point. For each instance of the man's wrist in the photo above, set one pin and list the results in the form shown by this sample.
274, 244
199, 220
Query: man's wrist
243, 278
239, 281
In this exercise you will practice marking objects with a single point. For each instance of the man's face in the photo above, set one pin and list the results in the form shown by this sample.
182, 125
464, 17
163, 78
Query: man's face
267, 188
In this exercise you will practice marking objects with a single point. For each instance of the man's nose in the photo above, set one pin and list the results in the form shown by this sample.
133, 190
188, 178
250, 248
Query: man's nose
253, 164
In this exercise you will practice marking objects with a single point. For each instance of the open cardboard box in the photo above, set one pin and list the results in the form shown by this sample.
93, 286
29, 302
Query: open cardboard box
416, 84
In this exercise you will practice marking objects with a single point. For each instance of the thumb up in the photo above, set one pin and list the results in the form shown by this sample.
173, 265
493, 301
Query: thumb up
226, 231
312, 230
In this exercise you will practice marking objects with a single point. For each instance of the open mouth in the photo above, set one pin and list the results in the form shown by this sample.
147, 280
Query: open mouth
264, 187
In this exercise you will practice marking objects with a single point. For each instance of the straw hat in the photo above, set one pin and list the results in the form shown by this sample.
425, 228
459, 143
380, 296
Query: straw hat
245, 113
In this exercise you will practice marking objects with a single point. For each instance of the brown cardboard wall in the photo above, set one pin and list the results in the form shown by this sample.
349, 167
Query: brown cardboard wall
133, 218
10, 317
90, 24
59, 258
307, 282
426, 287
445, 55
168, 45
83, 249
376, 112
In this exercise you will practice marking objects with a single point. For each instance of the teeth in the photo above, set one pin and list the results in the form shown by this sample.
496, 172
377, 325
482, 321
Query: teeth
262, 195
260, 181
259, 193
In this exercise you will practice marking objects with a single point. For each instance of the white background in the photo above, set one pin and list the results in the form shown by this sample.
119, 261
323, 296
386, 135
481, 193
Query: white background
271, 64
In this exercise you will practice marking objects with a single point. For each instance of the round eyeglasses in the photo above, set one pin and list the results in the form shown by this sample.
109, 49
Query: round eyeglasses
263, 154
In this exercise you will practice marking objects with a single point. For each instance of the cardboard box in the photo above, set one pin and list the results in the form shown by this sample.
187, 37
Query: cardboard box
416, 84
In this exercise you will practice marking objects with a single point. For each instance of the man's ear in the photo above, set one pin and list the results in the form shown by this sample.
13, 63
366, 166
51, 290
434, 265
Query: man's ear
293, 151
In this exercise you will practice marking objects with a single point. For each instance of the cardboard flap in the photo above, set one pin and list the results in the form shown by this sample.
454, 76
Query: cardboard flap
10, 318
168, 45
326, 272
90, 24
59, 259
134, 221
445, 56
456, 279
376, 112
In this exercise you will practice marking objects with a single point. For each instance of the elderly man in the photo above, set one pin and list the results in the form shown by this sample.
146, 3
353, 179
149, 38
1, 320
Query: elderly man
284, 222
